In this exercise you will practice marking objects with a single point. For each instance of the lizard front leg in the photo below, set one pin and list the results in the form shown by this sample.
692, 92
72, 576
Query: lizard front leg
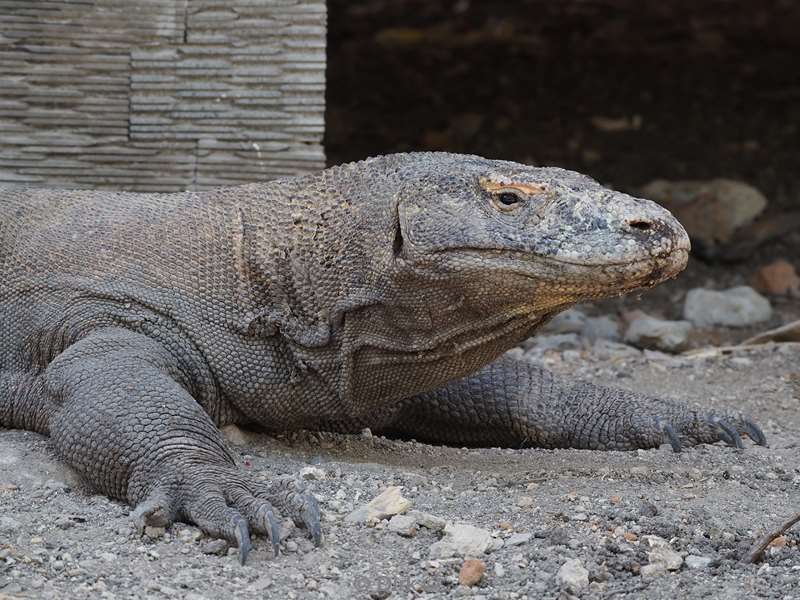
515, 403
122, 416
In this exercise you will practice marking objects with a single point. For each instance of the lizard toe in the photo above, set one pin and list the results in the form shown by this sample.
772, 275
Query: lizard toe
290, 494
672, 437
213, 515
754, 432
261, 516
728, 434
713, 427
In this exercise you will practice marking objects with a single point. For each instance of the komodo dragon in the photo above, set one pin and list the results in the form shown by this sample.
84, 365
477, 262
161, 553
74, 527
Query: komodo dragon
378, 294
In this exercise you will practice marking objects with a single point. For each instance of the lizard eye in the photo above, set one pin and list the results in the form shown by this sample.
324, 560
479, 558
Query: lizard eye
506, 200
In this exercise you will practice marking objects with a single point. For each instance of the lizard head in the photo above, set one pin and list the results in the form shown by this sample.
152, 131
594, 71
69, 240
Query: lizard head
556, 233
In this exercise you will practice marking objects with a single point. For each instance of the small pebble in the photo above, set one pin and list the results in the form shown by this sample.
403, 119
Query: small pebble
697, 562
524, 501
154, 532
518, 539
313, 473
471, 572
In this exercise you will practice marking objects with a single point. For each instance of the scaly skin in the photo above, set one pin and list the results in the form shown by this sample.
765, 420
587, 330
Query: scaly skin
377, 294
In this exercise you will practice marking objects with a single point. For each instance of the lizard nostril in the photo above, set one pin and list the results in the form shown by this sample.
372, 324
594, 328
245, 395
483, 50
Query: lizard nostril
640, 225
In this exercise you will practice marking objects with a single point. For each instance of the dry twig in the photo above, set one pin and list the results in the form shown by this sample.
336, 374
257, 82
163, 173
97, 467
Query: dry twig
757, 553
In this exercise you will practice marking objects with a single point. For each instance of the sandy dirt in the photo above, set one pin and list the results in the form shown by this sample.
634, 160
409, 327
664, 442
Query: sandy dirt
58, 540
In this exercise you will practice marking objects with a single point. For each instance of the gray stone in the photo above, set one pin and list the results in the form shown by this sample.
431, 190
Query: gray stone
652, 570
461, 539
218, 547
736, 307
517, 539
658, 334
404, 525
601, 328
697, 562
573, 576
428, 521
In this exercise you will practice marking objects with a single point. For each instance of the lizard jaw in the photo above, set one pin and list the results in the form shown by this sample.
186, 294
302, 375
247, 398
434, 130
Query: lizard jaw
575, 280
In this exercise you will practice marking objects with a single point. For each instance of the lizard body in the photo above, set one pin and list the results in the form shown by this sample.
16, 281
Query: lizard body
377, 294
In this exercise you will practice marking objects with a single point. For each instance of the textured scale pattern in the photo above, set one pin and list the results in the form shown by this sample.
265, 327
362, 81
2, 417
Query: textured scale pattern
376, 294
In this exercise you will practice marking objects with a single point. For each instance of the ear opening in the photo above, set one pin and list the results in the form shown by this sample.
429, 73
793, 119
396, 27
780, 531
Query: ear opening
397, 244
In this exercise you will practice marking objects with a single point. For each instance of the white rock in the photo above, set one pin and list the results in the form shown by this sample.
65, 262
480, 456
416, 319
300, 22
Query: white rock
190, 534
573, 575
461, 539
697, 562
661, 553
387, 503
649, 332
313, 473
404, 525
736, 307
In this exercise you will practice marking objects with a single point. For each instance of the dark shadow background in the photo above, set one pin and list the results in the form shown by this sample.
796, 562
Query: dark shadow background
626, 91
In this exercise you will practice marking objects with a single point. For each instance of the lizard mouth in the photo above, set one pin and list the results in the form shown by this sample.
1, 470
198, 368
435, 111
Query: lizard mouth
578, 280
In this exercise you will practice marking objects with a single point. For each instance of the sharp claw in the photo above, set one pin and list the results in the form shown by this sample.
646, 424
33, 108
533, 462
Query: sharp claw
312, 519
754, 432
242, 540
274, 533
673, 438
732, 438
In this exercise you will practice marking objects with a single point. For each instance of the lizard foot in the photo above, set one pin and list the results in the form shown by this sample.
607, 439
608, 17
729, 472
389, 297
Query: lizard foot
698, 428
226, 503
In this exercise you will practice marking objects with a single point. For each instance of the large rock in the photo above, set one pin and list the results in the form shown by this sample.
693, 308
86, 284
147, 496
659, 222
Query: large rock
461, 539
711, 211
736, 307
658, 334
388, 503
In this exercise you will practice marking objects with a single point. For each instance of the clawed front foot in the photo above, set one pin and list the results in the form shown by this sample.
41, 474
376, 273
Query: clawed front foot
227, 503
699, 428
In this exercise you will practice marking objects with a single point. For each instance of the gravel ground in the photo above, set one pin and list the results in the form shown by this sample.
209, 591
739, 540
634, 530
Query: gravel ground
58, 540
